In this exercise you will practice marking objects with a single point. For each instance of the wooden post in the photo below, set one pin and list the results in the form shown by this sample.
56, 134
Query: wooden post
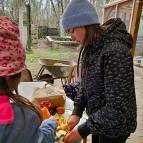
28, 26
116, 10
135, 22
103, 15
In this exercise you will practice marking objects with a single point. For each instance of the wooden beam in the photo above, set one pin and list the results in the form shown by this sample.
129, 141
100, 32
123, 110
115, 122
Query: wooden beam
103, 15
116, 11
132, 11
115, 3
135, 22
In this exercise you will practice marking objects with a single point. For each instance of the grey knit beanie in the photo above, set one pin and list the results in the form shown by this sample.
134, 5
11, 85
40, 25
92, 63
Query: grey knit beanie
79, 13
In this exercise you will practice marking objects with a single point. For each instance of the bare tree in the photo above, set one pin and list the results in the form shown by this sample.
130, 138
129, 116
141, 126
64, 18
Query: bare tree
62, 6
54, 8
2, 7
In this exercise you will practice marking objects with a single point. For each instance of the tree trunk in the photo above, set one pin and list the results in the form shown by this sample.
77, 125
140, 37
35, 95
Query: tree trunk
28, 26
54, 8
3, 9
62, 6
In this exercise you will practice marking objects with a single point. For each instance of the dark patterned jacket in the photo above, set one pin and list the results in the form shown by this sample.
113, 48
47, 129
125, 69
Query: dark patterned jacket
107, 86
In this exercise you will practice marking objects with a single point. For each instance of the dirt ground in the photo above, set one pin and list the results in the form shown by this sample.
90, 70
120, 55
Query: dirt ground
41, 48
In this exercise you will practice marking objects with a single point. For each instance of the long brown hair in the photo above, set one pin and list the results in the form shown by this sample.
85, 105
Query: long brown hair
9, 86
93, 32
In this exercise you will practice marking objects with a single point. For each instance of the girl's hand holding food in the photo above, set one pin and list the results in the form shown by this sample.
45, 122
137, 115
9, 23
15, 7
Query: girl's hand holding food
73, 121
72, 136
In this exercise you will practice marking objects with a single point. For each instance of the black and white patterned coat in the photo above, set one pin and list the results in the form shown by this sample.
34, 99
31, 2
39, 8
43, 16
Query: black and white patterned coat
107, 86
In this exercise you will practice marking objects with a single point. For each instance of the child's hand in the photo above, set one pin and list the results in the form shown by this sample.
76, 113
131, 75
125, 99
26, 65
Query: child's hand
73, 121
72, 136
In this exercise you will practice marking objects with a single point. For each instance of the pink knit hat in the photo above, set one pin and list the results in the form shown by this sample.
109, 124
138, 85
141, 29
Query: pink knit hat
12, 53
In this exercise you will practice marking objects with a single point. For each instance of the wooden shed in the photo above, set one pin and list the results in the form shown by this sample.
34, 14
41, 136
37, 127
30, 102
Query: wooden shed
130, 11
120, 8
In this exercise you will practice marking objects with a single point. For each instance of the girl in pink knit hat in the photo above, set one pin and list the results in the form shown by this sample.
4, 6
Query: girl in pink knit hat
20, 120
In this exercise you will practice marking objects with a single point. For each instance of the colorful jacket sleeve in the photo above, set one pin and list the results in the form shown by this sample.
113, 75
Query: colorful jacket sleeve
46, 132
27, 128
79, 103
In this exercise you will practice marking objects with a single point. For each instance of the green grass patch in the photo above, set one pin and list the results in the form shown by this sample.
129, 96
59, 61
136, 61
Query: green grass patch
50, 53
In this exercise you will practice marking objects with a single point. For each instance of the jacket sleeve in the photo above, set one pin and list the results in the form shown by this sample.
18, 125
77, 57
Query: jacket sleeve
119, 95
46, 131
79, 103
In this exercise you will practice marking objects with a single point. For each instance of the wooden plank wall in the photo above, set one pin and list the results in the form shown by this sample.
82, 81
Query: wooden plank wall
130, 12
121, 9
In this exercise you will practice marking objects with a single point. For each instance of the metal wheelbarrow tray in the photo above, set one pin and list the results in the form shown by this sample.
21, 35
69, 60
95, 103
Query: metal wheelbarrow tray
57, 68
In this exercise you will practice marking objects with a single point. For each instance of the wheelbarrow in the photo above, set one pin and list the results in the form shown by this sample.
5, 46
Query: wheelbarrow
58, 69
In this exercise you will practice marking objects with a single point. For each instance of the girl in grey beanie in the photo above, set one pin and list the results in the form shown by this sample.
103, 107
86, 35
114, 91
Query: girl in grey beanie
107, 89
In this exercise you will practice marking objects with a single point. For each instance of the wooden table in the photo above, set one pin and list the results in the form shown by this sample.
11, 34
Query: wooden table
26, 89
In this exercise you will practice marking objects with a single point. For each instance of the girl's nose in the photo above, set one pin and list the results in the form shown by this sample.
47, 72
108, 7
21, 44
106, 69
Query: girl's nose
73, 38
